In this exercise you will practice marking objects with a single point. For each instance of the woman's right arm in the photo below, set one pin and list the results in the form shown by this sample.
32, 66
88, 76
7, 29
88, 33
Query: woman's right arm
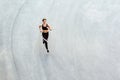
40, 27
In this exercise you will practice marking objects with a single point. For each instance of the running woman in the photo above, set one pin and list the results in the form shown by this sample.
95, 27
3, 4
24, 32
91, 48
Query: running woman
45, 28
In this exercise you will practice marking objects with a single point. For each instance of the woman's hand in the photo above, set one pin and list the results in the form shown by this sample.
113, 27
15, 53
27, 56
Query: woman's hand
41, 30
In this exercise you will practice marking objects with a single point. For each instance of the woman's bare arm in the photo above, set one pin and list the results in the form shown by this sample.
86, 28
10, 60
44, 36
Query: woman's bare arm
49, 27
40, 27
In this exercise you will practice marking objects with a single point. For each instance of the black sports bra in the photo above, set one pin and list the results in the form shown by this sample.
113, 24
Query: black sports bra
45, 27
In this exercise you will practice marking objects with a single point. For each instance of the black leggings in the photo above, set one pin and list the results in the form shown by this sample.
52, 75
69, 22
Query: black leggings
45, 39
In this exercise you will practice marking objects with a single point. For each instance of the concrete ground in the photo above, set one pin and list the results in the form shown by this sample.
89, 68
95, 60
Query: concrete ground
84, 43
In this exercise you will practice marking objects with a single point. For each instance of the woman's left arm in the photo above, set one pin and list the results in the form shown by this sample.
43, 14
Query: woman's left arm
49, 27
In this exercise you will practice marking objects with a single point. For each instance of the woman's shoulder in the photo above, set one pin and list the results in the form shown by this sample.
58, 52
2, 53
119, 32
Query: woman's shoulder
47, 25
40, 25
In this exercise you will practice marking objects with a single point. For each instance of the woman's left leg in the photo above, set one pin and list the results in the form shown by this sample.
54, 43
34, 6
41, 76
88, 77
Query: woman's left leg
45, 38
